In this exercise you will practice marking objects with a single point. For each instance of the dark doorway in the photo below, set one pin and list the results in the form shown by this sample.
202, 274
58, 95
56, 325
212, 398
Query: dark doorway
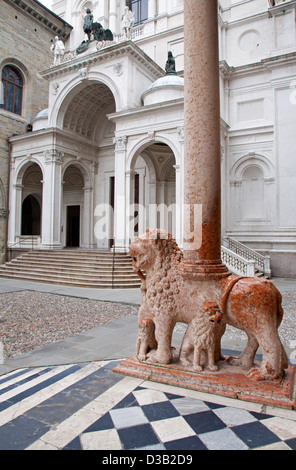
31, 216
111, 198
136, 202
73, 226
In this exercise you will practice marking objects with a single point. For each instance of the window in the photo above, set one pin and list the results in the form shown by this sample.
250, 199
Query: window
12, 90
140, 10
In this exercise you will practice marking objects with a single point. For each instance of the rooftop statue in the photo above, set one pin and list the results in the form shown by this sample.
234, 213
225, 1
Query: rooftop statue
88, 22
58, 49
128, 21
170, 66
94, 31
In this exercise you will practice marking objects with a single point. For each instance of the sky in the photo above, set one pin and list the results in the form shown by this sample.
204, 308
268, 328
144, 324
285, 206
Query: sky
47, 3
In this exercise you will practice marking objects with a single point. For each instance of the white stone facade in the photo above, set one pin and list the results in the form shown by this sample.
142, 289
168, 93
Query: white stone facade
113, 132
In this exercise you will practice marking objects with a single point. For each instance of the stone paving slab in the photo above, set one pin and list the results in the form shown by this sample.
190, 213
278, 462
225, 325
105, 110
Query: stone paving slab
103, 410
88, 407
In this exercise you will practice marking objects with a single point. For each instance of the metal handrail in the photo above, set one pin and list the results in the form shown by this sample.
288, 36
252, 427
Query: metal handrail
113, 264
31, 237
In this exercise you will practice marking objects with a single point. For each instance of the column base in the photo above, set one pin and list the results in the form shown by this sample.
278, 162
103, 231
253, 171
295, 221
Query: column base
204, 270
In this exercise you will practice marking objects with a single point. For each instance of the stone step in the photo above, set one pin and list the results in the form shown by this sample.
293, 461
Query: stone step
90, 284
76, 268
68, 272
73, 264
68, 253
56, 256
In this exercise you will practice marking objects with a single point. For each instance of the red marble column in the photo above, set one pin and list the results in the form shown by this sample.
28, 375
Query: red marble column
202, 180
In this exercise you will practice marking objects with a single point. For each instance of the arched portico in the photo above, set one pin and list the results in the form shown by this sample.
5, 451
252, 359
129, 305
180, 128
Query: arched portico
97, 90
77, 206
148, 194
26, 204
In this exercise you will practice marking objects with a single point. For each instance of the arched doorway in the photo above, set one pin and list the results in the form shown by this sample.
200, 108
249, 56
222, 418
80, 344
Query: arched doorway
83, 115
31, 206
153, 189
31, 216
73, 197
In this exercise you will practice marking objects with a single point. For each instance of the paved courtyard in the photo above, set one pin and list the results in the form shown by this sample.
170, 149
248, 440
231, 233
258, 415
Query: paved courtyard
64, 395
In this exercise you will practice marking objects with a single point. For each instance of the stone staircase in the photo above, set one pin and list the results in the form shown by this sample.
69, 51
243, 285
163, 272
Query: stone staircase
243, 261
76, 268
102, 269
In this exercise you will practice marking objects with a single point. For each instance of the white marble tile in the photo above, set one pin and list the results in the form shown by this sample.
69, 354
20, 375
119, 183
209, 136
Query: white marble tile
189, 405
147, 397
223, 439
172, 428
284, 428
101, 440
127, 417
234, 416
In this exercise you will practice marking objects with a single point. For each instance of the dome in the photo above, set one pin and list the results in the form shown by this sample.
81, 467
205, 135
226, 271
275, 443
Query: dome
43, 114
170, 87
40, 121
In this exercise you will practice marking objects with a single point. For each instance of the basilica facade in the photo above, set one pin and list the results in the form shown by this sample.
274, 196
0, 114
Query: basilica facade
104, 160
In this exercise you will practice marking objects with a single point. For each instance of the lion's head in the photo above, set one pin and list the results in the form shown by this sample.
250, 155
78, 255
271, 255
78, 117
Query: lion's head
155, 249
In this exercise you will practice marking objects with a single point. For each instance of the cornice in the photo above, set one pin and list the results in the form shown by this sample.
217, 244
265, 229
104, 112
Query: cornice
265, 64
114, 50
130, 113
42, 15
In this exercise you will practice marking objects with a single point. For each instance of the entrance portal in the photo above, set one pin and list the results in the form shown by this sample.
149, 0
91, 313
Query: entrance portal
31, 216
73, 226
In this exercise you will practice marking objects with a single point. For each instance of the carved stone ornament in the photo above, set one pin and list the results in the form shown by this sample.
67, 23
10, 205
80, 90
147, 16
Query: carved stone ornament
53, 156
250, 304
56, 87
83, 72
120, 143
118, 69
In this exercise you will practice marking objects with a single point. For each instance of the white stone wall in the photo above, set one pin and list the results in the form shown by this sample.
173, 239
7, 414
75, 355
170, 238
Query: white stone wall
258, 106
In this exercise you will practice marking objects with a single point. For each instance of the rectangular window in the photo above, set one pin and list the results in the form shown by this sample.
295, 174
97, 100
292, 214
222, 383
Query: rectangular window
140, 10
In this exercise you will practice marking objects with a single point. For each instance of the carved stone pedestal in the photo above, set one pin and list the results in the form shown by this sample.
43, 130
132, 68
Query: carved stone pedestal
229, 381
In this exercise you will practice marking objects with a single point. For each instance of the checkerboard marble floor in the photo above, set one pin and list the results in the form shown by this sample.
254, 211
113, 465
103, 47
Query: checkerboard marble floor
88, 407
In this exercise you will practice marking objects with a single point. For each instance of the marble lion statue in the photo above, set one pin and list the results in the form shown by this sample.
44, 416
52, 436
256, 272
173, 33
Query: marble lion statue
167, 297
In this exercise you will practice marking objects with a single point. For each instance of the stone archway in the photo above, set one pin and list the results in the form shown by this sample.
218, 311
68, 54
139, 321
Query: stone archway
73, 203
84, 111
31, 216
31, 202
153, 188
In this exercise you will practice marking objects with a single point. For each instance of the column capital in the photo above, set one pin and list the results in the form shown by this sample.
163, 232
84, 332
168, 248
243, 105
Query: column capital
120, 143
53, 156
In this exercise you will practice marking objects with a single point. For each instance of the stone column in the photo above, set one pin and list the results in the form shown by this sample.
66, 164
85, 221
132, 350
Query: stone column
120, 195
151, 8
202, 187
52, 200
113, 16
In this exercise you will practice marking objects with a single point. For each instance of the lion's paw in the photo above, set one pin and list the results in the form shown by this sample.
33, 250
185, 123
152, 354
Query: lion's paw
240, 361
141, 357
213, 368
197, 368
256, 375
184, 362
157, 358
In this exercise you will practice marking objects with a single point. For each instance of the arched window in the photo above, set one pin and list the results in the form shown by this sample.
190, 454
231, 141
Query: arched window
140, 10
12, 90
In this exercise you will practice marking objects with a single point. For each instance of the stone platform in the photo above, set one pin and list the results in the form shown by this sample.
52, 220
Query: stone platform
229, 381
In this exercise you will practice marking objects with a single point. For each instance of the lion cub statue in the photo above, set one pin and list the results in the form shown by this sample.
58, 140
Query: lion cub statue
201, 336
